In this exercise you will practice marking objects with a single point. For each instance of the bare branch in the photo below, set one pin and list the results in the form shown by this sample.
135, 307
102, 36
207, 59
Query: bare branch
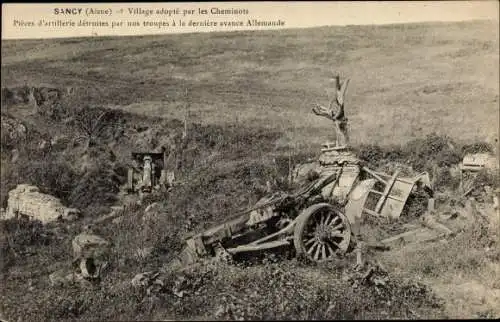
341, 90
99, 124
335, 111
320, 110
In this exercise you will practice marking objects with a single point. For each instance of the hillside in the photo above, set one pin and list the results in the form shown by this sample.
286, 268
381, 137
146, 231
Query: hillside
421, 96
432, 77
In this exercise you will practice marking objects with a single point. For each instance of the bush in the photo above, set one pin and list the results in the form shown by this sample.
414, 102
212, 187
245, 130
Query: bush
51, 175
96, 188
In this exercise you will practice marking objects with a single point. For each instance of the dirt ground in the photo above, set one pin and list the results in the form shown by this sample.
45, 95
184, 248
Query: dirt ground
248, 116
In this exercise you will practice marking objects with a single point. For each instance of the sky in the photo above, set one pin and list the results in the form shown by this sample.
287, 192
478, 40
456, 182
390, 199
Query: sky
39, 20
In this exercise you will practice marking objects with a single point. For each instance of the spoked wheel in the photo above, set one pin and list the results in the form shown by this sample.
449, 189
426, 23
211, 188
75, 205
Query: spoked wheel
321, 233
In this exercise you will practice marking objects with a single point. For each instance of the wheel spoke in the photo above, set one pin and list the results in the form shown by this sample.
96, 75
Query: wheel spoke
328, 218
316, 254
337, 227
321, 218
312, 248
323, 251
309, 241
335, 220
330, 249
334, 243
336, 234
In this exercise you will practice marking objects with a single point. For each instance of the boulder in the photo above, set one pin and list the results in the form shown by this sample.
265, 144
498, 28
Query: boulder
91, 252
27, 200
62, 277
87, 245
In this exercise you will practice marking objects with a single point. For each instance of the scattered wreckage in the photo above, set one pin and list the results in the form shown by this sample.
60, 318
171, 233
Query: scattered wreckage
317, 219
320, 218
471, 165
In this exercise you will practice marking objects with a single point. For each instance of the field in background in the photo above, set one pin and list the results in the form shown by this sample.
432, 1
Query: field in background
407, 80
252, 93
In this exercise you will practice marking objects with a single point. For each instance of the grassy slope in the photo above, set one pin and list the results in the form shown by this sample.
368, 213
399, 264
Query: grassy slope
270, 79
439, 77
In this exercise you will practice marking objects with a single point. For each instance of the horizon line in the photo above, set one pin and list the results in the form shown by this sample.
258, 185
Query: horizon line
423, 22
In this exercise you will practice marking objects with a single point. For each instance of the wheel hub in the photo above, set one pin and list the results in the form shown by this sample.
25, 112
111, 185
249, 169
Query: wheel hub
322, 233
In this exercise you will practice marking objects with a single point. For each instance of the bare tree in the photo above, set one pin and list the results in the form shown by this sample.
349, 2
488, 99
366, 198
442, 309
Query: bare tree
335, 112
91, 123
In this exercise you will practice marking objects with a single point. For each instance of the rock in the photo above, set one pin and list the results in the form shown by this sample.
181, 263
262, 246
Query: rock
27, 200
152, 212
144, 279
62, 277
149, 280
92, 252
89, 245
152, 207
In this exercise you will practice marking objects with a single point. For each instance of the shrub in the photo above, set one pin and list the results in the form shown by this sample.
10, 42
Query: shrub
51, 175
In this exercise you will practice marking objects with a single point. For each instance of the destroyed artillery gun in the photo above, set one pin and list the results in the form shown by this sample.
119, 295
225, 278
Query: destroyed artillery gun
320, 218
148, 172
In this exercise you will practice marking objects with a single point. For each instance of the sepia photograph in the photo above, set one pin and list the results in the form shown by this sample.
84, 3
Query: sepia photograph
302, 160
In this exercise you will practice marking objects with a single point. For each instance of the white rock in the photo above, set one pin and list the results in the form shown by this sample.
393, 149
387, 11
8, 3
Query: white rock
27, 200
